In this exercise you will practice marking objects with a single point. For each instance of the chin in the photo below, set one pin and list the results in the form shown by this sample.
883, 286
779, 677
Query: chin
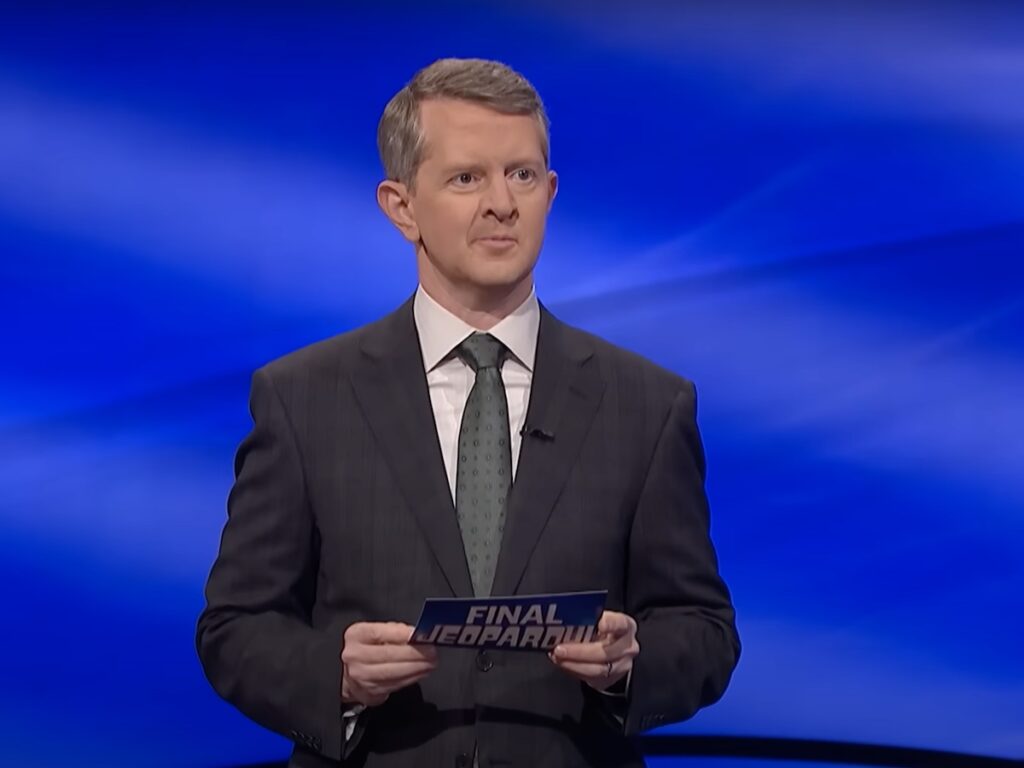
497, 276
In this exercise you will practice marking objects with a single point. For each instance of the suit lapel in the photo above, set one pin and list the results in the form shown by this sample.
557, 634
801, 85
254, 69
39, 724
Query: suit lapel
391, 388
564, 395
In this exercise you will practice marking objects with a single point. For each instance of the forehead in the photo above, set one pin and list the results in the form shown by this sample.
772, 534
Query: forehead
454, 130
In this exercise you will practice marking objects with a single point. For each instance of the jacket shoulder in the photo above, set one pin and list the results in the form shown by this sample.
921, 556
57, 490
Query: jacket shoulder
626, 366
328, 356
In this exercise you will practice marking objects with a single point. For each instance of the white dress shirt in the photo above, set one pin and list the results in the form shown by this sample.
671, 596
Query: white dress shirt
449, 378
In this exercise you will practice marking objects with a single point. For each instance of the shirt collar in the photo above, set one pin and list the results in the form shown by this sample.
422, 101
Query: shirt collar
440, 331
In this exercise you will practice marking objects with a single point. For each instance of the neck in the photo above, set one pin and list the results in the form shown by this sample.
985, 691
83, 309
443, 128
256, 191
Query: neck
482, 308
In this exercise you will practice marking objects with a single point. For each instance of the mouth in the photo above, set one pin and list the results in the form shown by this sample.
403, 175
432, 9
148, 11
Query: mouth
497, 243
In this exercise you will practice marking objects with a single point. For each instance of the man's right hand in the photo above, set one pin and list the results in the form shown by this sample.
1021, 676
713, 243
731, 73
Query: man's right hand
377, 660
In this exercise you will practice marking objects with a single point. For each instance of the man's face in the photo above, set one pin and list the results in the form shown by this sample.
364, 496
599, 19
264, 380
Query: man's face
481, 196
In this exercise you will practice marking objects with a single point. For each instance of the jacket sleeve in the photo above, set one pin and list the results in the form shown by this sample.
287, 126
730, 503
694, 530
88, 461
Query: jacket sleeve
686, 627
255, 637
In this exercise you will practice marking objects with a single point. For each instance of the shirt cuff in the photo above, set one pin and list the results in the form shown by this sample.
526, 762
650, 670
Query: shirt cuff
349, 718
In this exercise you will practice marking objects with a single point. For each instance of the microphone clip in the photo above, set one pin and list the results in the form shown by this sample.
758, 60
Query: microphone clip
537, 432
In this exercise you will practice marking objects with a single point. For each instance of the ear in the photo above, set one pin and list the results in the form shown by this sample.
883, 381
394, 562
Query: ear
552, 188
394, 199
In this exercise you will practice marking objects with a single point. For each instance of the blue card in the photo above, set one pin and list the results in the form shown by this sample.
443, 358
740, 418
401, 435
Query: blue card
520, 623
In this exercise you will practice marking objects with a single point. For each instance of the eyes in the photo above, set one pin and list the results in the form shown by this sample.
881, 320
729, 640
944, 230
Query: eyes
468, 179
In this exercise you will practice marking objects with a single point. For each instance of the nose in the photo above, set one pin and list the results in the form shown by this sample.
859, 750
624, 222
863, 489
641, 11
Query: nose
499, 201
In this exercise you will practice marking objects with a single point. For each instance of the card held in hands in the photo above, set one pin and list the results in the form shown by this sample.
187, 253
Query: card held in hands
519, 623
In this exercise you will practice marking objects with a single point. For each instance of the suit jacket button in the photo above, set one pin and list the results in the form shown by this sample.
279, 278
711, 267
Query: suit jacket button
484, 662
462, 761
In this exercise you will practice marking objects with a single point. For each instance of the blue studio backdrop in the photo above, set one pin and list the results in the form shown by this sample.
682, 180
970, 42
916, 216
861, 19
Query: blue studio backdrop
813, 210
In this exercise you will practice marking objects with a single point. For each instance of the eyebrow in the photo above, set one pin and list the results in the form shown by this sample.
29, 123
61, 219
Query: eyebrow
473, 166
451, 168
525, 162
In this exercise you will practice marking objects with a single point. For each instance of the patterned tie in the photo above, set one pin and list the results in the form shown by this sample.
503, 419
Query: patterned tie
485, 460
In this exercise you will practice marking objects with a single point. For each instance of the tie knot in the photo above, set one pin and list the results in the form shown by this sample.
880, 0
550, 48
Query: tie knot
481, 350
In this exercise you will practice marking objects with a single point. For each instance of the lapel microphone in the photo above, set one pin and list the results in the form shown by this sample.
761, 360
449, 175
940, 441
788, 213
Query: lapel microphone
541, 434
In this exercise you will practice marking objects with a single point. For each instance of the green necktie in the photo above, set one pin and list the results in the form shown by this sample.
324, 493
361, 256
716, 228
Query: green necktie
484, 473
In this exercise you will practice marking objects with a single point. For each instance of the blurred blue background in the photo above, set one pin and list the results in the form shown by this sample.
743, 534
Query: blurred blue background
813, 210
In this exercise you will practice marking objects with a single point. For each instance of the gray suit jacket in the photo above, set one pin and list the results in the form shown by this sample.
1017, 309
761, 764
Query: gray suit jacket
341, 512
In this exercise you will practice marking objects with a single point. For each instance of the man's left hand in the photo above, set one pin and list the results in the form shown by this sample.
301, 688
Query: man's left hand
605, 660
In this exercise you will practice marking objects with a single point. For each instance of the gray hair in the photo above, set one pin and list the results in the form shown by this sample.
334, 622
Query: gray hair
490, 83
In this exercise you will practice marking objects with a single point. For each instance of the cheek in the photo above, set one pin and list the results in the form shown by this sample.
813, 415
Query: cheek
534, 212
447, 224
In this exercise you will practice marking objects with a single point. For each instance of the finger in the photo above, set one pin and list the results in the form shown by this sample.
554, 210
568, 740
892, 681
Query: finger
593, 673
386, 654
623, 646
379, 632
597, 652
387, 687
384, 673
593, 653
404, 682
615, 624
425, 651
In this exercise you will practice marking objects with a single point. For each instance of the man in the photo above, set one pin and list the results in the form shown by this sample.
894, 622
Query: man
467, 444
